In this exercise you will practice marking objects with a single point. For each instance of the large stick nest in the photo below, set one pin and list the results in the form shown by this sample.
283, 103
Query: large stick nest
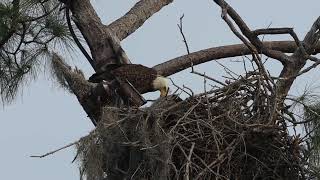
233, 132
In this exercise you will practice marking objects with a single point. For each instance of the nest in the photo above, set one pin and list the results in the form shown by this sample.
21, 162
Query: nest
233, 132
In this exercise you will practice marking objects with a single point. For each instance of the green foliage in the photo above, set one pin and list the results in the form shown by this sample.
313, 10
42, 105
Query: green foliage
312, 116
5, 11
29, 31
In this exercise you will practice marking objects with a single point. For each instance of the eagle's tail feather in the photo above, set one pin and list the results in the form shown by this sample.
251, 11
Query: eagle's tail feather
104, 74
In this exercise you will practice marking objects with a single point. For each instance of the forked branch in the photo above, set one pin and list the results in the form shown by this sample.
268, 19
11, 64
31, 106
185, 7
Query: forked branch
252, 37
135, 18
181, 63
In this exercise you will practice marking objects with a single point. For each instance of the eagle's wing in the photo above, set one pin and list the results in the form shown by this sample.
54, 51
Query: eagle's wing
104, 74
141, 77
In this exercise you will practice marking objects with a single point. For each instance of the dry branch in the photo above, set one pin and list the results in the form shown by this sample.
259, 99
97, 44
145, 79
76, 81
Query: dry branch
91, 96
187, 174
181, 63
75, 79
227, 9
138, 14
104, 45
180, 26
54, 151
298, 60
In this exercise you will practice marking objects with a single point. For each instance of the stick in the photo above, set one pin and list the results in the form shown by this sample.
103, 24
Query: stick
186, 175
52, 152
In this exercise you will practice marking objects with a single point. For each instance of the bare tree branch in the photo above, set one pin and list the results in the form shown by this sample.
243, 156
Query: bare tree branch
78, 85
183, 62
54, 151
105, 47
255, 56
249, 34
312, 37
186, 175
299, 59
135, 18
180, 26
280, 31
314, 65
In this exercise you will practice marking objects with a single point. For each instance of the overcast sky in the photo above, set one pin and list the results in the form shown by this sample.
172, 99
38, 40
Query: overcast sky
45, 118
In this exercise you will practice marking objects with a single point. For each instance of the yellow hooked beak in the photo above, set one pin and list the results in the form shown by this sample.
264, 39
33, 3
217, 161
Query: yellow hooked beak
164, 92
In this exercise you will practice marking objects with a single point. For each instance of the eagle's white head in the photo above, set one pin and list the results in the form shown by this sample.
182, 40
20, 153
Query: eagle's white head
161, 84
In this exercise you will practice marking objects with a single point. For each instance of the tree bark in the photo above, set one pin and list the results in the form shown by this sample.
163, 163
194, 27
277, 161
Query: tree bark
104, 41
93, 31
105, 49
136, 17
299, 59
181, 63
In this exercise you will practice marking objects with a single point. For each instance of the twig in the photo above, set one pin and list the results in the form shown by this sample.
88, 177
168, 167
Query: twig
186, 87
208, 77
252, 48
183, 117
228, 70
54, 151
180, 26
233, 29
206, 97
314, 65
186, 175
181, 32
182, 89
289, 31
254, 40
138, 168
262, 39
220, 158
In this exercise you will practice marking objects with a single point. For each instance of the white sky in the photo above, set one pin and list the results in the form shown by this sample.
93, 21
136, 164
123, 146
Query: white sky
45, 118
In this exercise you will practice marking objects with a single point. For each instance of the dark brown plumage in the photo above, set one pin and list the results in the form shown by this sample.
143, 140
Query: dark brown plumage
141, 77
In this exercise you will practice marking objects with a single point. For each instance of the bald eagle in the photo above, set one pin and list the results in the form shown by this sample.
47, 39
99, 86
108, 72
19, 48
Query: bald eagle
143, 79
